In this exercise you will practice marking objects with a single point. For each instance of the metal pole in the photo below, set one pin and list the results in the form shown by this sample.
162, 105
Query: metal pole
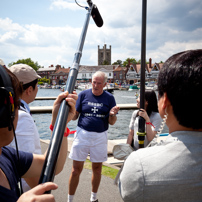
141, 124
47, 174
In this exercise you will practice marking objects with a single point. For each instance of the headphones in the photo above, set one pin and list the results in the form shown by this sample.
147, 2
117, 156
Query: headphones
7, 109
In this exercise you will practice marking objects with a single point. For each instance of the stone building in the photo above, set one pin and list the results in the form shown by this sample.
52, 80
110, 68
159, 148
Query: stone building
104, 55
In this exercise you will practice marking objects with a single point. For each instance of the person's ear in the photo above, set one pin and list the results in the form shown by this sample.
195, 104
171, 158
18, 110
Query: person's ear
29, 90
164, 100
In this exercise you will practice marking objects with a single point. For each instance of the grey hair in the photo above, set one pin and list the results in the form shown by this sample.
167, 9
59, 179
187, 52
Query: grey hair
101, 74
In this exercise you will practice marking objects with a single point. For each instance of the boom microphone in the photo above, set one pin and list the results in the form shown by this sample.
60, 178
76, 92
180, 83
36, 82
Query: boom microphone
95, 14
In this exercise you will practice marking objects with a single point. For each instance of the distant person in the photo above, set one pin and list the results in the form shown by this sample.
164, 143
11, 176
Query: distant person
28, 138
97, 109
171, 171
152, 119
15, 165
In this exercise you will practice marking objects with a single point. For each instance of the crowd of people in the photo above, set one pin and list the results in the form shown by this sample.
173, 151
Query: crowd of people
168, 171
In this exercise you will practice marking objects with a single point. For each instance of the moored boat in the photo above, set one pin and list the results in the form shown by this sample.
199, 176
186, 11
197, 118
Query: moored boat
133, 87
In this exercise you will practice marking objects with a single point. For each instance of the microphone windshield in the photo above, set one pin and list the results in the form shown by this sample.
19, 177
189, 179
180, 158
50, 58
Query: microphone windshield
96, 16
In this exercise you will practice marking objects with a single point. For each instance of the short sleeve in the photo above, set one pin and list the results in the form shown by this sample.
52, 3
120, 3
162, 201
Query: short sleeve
25, 161
132, 120
78, 102
156, 121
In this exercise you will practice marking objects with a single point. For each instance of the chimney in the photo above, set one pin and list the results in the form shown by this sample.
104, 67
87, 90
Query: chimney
150, 63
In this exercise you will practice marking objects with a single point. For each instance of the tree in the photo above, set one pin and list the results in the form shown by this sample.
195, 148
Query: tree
43, 80
105, 62
132, 61
27, 61
118, 62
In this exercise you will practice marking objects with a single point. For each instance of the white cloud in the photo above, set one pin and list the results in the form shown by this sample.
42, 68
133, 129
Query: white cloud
172, 26
68, 4
8, 25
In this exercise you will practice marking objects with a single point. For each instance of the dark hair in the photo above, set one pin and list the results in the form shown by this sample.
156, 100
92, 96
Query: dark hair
32, 83
181, 78
17, 88
150, 97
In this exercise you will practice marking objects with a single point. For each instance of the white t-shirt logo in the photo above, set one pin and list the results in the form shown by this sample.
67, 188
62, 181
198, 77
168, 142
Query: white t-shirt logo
94, 110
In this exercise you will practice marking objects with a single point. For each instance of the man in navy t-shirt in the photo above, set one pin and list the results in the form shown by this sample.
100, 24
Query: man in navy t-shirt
97, 109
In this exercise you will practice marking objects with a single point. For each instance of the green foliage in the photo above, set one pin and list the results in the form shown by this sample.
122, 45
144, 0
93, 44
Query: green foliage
40, 83
132, 61
27, 61
118, 62
43, 80
105, 62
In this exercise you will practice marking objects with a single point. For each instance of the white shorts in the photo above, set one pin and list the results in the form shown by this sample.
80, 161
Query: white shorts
92, 143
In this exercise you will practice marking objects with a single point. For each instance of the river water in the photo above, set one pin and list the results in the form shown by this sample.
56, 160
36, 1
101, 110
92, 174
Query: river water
119, 130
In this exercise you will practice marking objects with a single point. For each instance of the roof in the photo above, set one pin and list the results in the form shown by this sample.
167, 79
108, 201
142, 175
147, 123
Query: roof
97, 68
46, 69
119, 68
62, 70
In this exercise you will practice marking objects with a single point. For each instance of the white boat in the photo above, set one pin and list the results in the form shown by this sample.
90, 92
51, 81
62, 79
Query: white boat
84, 86
151, 87
46, 86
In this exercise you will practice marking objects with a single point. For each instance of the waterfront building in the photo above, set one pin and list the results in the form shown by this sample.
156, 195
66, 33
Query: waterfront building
86, 72
60, 76
45, 72
57, 75
120, 75
151, 72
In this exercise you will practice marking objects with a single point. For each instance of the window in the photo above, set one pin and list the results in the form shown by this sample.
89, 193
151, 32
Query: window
83, 75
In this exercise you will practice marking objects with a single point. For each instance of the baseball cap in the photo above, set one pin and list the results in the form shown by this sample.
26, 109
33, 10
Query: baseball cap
2, 62
24, 73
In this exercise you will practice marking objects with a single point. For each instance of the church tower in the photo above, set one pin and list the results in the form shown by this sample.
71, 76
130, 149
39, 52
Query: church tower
104, 55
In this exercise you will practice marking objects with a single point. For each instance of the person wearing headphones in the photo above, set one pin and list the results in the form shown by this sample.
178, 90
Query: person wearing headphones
13, 164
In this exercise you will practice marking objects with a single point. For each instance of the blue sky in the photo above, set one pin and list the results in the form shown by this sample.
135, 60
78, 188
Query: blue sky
48, 31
